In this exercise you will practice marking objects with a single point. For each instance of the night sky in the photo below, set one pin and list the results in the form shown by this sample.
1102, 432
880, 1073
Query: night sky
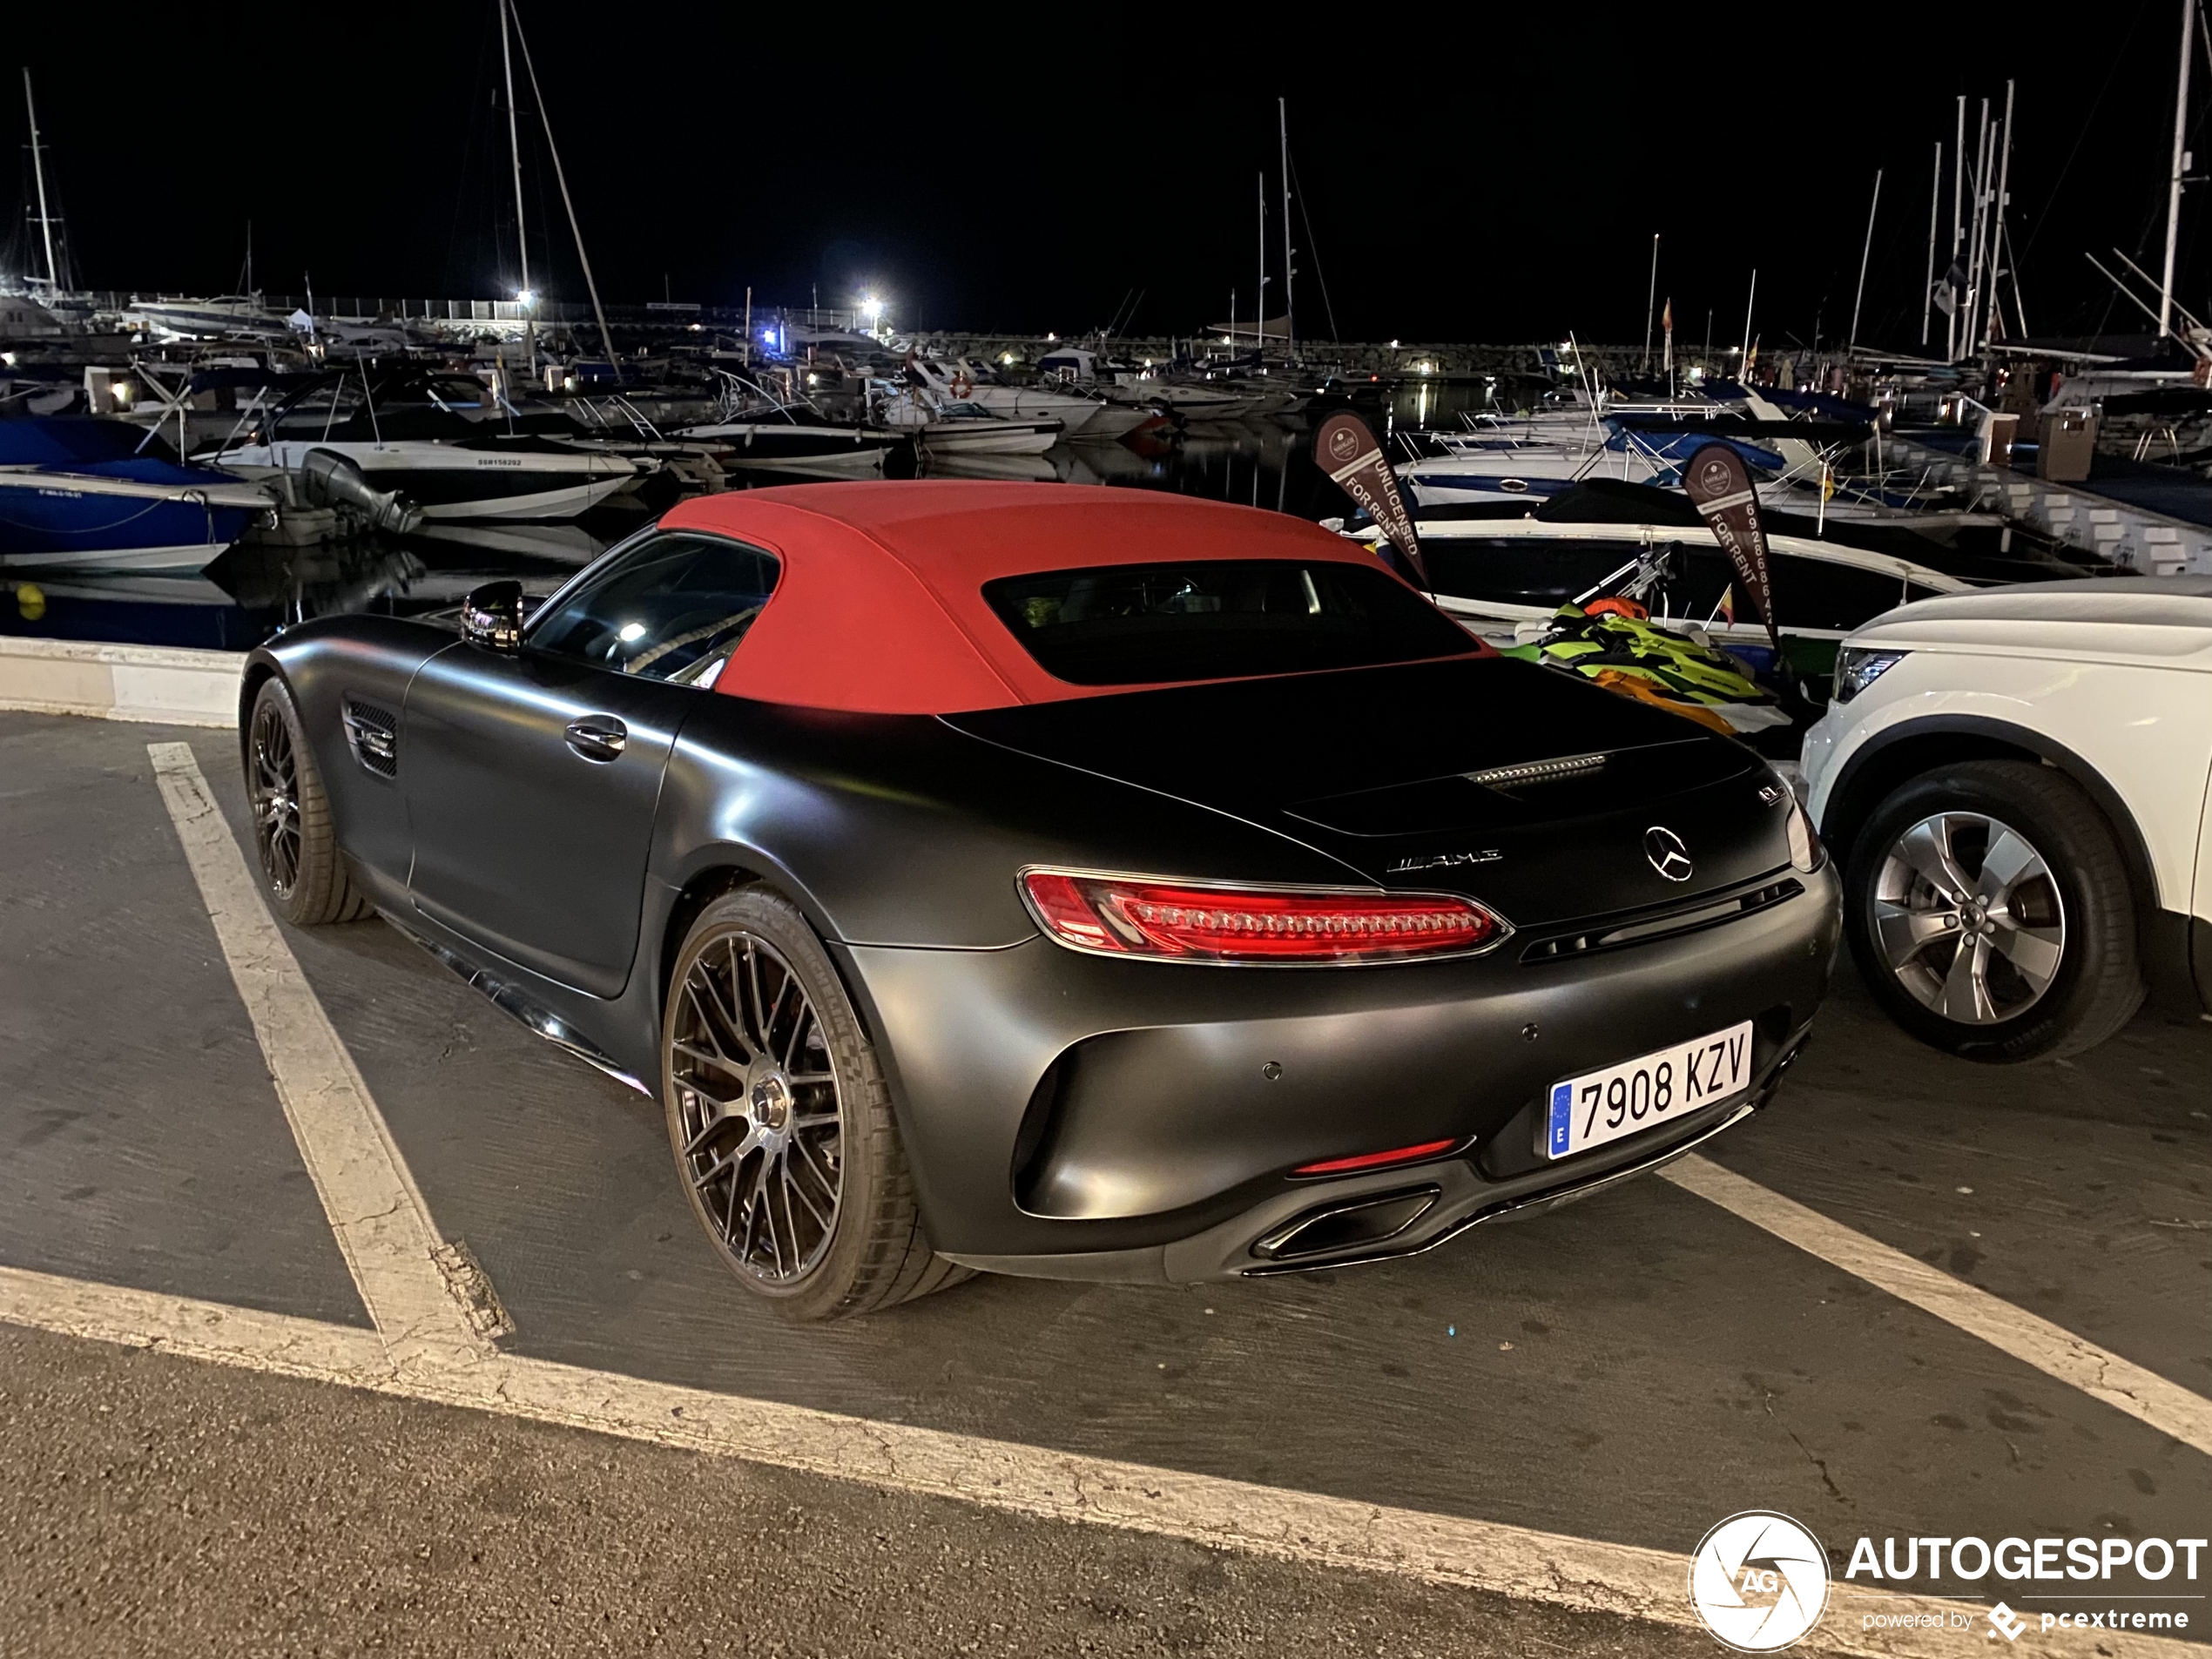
1467, 177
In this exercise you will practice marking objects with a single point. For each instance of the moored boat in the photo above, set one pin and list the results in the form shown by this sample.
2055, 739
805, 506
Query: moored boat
441, 442
99, 494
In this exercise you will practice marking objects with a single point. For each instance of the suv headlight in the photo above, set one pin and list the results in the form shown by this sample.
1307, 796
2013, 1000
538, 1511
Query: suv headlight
1857, 668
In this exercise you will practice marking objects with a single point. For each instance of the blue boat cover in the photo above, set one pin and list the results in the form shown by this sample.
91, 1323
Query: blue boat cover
63, 440
110, 449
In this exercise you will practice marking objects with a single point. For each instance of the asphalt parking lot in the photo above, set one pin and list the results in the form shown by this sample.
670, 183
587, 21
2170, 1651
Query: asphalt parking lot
1627, 1370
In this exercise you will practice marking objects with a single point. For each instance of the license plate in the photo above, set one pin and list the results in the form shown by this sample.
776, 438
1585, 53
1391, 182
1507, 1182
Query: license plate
1642, 1093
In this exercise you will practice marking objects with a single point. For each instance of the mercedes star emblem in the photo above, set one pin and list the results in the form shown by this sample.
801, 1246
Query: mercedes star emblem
1668, 855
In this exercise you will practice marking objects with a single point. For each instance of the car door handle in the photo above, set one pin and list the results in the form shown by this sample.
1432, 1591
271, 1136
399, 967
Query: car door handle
598, 737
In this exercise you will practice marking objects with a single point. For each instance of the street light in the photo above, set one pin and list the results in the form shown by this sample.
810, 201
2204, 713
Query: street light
526, 298
872, 308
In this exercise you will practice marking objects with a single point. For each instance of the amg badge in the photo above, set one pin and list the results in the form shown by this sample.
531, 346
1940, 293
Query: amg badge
1446, 862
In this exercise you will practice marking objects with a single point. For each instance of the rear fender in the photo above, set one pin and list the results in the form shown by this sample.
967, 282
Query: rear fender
898, 830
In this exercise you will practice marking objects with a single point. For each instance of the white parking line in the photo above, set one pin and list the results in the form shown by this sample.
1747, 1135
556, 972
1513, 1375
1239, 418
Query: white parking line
399, 1262
2051, 1349
1578, 1574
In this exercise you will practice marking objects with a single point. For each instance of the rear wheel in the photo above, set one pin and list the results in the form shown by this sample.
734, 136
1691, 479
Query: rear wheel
302, 871
781, 1123
1991, 915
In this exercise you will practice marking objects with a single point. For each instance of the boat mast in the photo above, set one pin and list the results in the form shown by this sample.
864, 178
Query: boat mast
1289, 305
1865, 253
1999, 243
1742, 357
46, 219
1935, 200
1974, 235
1651, 299
2173, 190
1958, 187
606, 338
1260, 332
522, 231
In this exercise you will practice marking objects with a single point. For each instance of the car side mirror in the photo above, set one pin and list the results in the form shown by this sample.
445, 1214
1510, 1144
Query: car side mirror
492, 616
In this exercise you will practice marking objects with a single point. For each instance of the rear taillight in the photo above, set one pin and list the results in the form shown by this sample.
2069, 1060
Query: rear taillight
1124, 915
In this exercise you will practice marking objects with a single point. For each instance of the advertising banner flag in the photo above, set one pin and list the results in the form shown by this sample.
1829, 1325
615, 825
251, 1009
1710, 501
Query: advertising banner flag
1346, 448
1720, 488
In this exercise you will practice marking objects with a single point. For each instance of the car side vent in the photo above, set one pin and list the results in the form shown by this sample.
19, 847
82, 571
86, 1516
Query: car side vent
374, 736
1613, 935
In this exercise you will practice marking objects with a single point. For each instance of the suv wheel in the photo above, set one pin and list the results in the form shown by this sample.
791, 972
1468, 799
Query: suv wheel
1991, 915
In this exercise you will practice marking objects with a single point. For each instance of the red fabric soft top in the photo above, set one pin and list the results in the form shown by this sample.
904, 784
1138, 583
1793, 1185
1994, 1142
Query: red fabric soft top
880, 606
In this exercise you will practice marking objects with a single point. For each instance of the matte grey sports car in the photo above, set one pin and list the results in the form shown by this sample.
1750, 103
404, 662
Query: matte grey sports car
1074, 882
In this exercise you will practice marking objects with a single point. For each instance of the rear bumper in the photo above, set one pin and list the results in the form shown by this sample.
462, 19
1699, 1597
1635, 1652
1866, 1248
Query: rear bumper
1386, 1215
1072, 1116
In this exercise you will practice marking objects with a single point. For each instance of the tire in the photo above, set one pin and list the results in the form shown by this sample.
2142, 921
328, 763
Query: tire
778, 1112
2040, 958
302, 871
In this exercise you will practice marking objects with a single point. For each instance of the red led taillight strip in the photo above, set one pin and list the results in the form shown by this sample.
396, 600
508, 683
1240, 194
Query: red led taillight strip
1376, 1160
1187, 921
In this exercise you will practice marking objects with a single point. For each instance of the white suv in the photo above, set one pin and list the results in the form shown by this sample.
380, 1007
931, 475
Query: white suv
2016, 781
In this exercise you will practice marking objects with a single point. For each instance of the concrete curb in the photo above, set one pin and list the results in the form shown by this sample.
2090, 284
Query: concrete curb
156, 684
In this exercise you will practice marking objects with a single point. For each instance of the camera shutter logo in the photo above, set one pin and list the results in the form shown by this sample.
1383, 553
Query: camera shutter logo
1668, 855
1759, 1580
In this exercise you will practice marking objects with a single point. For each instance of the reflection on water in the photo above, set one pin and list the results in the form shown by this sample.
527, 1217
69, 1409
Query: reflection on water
254, 590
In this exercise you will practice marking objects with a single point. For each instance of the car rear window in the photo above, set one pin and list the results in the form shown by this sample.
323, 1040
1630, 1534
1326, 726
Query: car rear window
1136, 624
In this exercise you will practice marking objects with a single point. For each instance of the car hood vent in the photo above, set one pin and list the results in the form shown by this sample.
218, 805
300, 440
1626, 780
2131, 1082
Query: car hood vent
373, 733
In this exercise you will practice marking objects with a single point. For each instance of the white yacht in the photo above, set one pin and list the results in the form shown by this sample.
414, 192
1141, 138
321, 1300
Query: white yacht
944, 427
441, 444
969, 379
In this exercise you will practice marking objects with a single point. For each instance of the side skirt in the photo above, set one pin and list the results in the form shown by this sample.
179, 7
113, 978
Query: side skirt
510, 1000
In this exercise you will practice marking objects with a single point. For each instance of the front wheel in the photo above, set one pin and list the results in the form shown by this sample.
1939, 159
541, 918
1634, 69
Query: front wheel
1991, 915
781, 1122
302, 871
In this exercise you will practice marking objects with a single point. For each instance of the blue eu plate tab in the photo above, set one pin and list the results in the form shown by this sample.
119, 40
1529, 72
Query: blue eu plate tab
1562, 1118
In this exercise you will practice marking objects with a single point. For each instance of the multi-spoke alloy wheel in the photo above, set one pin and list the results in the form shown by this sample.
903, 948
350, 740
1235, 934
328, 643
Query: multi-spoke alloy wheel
273, 785
755, 1088
781, 1122
1990, 911
1969, 917
301, 867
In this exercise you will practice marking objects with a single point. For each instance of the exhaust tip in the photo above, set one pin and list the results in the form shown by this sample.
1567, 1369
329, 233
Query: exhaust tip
1358, 1224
